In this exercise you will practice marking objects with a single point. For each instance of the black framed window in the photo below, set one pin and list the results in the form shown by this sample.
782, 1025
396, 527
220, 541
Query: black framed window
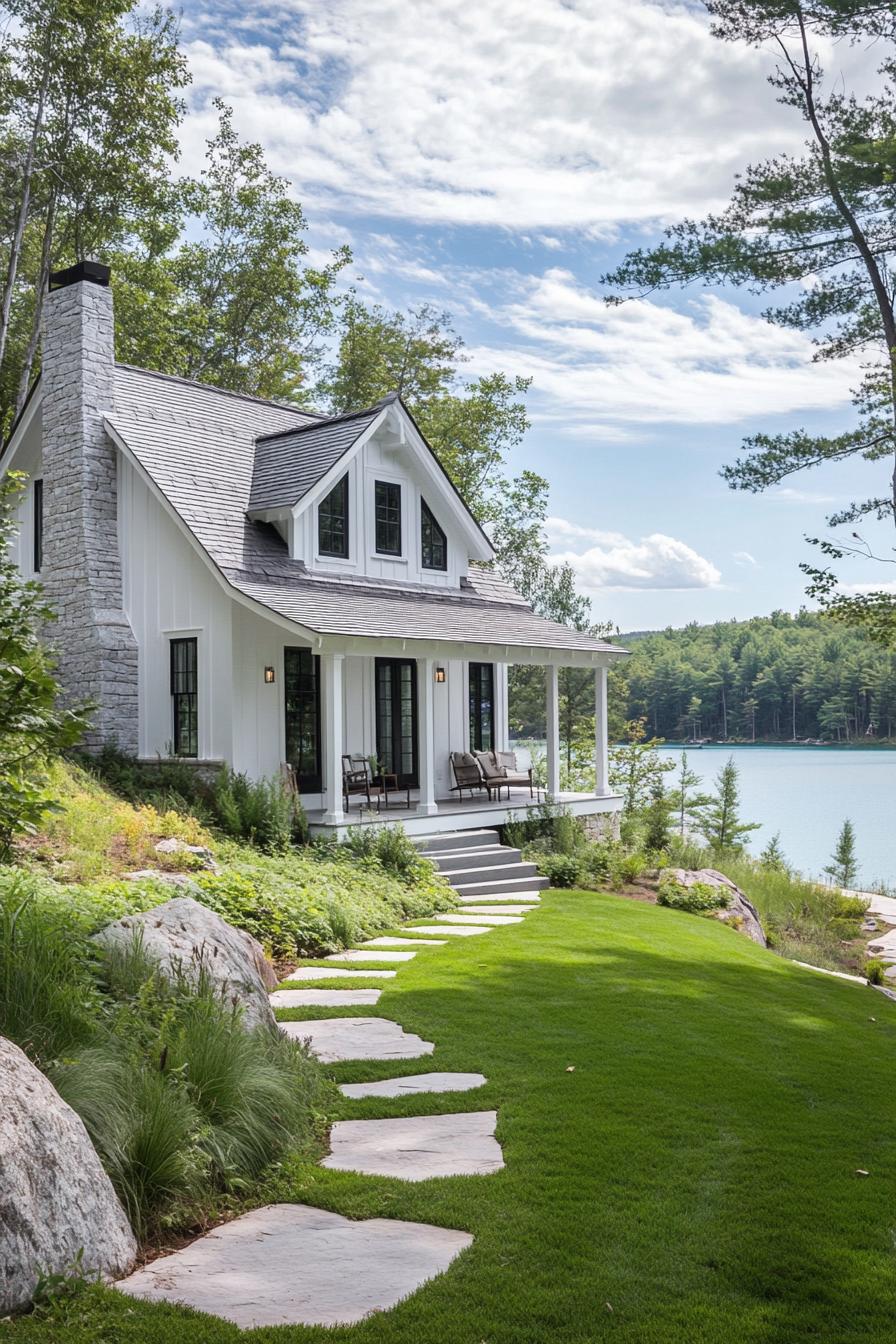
301, 675
38, 522
184, 696
387, 511
433, 542
332, 521
482, 707
396, 718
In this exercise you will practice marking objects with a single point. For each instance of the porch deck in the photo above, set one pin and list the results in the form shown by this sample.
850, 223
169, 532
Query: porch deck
454, 814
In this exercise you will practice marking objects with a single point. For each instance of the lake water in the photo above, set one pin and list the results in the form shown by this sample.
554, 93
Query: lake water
805, 793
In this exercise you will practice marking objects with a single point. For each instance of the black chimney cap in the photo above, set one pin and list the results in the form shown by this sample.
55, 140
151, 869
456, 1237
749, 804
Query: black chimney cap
94, 271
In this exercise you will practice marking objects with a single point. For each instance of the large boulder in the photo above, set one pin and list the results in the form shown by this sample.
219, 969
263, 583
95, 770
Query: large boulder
184, 936
55, 1198
740, 910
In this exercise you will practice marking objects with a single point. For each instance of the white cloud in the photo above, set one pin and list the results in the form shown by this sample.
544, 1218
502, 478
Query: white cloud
745, 560
788, 494
615, 562
527, 116
708, 363
884, 586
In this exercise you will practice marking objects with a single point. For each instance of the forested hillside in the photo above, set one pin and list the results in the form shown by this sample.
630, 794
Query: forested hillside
779, 677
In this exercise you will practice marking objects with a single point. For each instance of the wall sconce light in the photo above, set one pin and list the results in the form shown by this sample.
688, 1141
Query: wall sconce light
440, 675
269, 676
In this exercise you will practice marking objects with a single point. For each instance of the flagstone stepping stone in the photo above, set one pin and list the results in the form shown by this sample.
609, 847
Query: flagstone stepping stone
327, 973
496, 910
354, 954
403, 942
336, 1038
323, 998
417, 1147
884, 946
490, 918
288, 1264
456, 930
418, 1082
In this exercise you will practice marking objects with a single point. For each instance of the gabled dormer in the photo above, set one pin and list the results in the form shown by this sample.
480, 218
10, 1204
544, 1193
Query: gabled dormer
364, 495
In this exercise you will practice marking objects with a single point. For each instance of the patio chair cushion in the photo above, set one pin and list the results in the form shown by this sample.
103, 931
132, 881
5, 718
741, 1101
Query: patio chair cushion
467, 774
489, 765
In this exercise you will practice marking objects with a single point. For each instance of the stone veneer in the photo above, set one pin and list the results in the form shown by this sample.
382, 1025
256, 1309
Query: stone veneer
81, 571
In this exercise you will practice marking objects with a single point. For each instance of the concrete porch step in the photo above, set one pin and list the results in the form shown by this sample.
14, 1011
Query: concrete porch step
459, 876
476, 858
438, 844
504, 886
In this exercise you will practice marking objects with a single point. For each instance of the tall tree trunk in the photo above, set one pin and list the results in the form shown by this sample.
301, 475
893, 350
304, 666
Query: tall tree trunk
15, 250
42, 282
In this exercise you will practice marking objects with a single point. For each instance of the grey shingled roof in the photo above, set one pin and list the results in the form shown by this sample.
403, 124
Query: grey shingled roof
197, 444
287, 466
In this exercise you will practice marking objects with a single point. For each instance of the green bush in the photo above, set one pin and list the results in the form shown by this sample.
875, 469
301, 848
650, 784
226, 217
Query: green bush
875, 971
48, 1002
392, 849
623, 869
562, 870
264, 812
698, 898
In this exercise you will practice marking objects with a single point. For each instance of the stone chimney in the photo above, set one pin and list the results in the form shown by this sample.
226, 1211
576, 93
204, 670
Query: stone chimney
81, 569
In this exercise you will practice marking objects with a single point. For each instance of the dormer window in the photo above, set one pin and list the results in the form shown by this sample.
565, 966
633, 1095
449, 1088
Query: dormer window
433, 542
387, 508
332, 521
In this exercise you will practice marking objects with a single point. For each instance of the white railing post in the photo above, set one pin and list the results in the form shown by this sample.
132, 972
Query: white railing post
601, 745
552, 707
426, 676
333, 735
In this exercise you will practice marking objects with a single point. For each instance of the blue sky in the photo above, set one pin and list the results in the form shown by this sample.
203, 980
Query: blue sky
497, 159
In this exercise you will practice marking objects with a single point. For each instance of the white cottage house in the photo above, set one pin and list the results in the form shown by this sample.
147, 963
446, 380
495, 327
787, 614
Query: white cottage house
241, 581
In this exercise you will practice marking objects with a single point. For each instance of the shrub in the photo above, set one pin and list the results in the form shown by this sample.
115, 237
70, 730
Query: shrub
562, 870
624, 869
392, 849
875, 971
700, 897
263, 811
48, 1004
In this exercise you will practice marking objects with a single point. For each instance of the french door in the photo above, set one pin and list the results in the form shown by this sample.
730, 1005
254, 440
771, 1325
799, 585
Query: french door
482, 706
396, 718
301, 675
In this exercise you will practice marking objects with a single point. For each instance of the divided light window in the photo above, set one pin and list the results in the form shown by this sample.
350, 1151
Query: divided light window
38, 525
387, 508
184, 687
482, 707
433, 542
332, 521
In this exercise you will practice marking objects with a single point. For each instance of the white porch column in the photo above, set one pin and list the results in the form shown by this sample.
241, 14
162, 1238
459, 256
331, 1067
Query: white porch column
601, 745
331, 685
552, 706
426, 741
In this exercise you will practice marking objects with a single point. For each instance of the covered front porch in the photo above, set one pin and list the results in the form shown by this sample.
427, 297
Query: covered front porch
406, 715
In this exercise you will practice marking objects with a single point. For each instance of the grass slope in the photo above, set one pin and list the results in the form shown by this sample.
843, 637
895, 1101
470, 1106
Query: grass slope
693, 1179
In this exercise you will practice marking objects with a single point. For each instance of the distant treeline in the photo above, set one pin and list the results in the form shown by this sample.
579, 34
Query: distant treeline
779, 677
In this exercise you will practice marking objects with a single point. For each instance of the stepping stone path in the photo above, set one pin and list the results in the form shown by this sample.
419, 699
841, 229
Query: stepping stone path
325, 973
324, 998
456, 930
336, 1038
403, 942
418, 1082
490, 918
416, 1148
354, 954
289, 1264
496, 910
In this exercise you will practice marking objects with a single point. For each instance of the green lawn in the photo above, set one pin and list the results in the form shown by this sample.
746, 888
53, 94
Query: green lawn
693, 1179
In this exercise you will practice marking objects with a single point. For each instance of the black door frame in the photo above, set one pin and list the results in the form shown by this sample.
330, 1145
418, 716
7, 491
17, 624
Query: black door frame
304, 783
412, 780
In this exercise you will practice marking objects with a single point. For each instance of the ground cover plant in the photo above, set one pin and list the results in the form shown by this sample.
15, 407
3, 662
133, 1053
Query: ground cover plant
682, 1114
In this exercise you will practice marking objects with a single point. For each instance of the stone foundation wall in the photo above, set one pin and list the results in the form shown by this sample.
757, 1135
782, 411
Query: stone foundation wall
81, 571
602, 825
